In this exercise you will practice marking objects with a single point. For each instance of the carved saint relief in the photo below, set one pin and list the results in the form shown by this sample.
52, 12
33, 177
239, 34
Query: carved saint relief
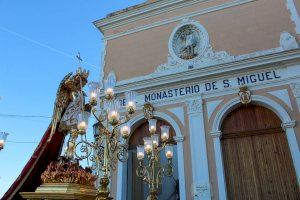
186, 42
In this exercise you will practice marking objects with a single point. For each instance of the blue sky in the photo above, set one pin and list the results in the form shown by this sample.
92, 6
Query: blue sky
38, 44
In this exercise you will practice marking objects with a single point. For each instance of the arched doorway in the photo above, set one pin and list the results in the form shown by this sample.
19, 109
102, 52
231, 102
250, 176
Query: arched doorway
136, 189
256, 156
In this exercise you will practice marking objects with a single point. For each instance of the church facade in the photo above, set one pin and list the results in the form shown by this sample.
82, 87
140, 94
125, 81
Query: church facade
225, 75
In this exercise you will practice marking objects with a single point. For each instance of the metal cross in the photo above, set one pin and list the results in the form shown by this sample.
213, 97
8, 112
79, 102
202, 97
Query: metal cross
79, 58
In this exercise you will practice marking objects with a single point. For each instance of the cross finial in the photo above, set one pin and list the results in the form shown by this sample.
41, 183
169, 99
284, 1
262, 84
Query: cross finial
79, 58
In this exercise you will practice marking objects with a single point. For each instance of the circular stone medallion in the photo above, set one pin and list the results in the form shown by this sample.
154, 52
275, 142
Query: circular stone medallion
188, 41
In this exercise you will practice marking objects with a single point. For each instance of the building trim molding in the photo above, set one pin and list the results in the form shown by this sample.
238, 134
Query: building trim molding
171, 20
211, 106
179, 138
216, 134
262, 100
283, 95
295, 86
194, 106
179, 113
197, 135
219, 165
289, 77
296, 89
153, 80
290, 124
138, 13
103, 55
294, 14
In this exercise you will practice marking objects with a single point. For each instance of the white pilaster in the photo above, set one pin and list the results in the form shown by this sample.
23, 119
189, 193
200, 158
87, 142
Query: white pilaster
294, 14
201, 182
121, 181
103, 55
293, 145
296, 90
179, 140
219, 165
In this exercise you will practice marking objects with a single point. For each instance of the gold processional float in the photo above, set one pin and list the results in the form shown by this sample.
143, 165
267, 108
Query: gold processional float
66, 178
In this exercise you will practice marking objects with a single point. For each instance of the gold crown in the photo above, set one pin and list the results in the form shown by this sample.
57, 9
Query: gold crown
83, 74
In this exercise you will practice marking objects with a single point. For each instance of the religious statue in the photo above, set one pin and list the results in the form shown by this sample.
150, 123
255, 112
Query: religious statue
189, 44
67, 91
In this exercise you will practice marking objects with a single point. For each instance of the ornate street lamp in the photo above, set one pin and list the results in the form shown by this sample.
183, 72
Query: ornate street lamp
3, 137
153, 172
111, 133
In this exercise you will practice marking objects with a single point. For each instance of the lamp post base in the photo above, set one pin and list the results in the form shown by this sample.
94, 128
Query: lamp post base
153, 195
103, 192
104, 198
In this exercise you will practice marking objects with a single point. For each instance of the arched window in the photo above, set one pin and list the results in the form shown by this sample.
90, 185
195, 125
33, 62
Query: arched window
136, 188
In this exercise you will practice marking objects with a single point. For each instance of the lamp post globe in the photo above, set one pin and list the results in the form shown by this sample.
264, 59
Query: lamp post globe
3, 136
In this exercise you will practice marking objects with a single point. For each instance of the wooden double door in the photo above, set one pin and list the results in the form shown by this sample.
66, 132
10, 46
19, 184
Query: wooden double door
256, 156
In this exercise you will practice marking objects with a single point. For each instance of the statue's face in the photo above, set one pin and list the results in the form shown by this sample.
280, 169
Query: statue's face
78, 82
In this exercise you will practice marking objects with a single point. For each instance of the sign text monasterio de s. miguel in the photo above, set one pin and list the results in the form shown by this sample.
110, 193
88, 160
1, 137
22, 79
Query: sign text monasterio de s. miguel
209, 86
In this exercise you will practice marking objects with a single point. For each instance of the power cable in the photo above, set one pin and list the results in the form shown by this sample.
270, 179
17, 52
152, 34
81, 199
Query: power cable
24, 116
27, 116
42, 45
18, 142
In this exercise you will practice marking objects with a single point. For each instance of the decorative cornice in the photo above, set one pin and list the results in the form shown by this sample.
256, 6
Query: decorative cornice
111, 79
217, 93
287, 41
179, 138
194, 106
135, 13
153, 80
296, 89
287, 125
216, 134
170, 5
